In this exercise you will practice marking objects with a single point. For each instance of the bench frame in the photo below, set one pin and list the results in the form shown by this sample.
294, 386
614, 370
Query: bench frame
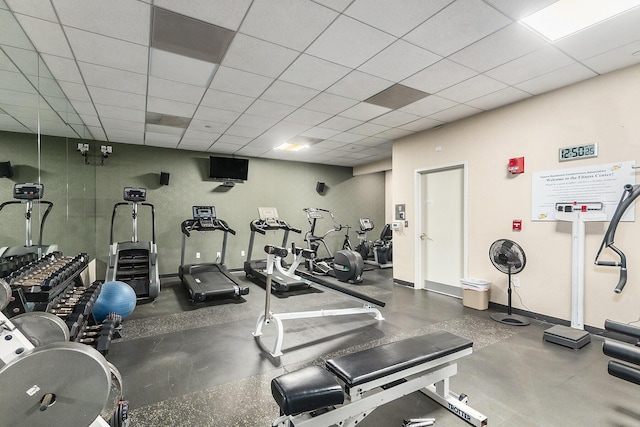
431, 378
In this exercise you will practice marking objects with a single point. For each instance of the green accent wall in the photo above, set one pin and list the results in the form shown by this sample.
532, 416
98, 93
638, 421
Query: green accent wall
84, 196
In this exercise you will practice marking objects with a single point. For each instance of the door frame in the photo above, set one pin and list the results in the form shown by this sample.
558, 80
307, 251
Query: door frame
418, 173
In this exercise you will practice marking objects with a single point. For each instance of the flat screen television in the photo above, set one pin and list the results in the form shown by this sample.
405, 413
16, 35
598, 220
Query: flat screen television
228, 168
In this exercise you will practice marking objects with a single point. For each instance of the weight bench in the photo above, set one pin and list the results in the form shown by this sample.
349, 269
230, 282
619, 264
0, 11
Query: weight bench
354, 385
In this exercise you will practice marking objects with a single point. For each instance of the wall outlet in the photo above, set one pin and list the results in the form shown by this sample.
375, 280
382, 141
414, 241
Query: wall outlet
218, 255
515, 281
197, 254
241, 253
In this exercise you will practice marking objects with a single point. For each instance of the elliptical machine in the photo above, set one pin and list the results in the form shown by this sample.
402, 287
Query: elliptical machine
378, 252
347, 265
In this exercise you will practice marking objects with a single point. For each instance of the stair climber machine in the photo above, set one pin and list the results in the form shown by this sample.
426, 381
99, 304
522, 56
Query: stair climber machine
208, 280
256, 270
346, 265
379, 252
28, 194
135, 262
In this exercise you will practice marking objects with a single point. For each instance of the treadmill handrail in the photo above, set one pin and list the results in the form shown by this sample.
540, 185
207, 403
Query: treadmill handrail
42, 220
261, 226
189, 225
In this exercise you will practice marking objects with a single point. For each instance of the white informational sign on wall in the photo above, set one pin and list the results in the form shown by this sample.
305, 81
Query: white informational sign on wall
581, 188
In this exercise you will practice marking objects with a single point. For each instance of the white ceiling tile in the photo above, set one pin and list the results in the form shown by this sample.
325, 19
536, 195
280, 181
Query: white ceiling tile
243, 131
341, 123
376, 141
207, 126
233, 139
429, 105
290, 23
75, 91
369, 129
223, 148
359, 85
284, 131
97, 133
90, 120
270, 109
457, 26
112, 78
257, 122
42, 10
125, 20
20, 99
180, 68
395, 118
175, 108
392, 19
348, 137
330, 144
6, 64
614, 59
364, 111
475, 87
176, 91
308, 117
125, 136
115, 124
15, 82
607, 35
500, 47
11, 33
25, 60
258, 56
313, 72
263, 143
117, 112
320, 132
455, 113
117, 98
252, 151
337, 5
223, 13
63, 69
161, 139
393, 133
399, 61
349, 42
518, 9
193, 144
329, 103
421, 124
531, 65
110, 52
216, 115
195, 135
46, 36
226, 100
239, 82
498, 99
83, 107
288, 93
556, 79
439, 76
168, 130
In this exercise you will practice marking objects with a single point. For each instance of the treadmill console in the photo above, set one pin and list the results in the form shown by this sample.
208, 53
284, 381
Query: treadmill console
131, 194
269, 216
204, 215
28, 191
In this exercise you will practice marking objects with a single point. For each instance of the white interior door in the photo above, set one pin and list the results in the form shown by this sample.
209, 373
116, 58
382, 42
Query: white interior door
441, 239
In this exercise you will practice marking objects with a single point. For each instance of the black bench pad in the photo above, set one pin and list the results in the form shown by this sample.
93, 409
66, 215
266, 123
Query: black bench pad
377, 362
305, 390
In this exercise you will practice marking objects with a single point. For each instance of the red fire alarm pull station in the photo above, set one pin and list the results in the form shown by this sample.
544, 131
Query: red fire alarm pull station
516, 165
517, 225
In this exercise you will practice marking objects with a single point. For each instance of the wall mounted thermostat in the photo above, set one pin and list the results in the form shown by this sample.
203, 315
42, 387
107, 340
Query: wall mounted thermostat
578, 152
400, 212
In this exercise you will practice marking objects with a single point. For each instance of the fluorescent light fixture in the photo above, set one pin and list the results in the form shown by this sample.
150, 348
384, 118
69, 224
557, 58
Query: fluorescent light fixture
566, 17
289, 146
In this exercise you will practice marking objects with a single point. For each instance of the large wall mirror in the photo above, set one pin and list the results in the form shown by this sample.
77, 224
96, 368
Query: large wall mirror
39, 135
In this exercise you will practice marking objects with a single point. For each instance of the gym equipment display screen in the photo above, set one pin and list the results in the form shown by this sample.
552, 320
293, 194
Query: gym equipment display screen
228, 168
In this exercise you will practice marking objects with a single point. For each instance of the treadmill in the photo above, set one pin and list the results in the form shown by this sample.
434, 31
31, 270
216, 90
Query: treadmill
208, 280
256, 270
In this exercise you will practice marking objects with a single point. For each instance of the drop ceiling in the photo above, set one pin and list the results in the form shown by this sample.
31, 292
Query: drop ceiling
240, 77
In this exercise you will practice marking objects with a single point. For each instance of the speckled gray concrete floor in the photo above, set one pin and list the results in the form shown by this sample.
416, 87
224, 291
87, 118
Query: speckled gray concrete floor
199, 365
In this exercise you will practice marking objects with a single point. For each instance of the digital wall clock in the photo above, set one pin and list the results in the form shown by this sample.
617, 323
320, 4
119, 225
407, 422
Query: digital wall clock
578, 152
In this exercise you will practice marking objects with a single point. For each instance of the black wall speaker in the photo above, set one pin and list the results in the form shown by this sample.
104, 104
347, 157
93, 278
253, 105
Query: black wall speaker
164, 178
6, 170
320, 187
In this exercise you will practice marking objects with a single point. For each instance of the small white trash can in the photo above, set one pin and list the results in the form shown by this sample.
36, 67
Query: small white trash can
475, 293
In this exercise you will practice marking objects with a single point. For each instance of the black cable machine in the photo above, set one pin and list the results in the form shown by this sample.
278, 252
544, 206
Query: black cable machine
29, 194
135, 262
256, 270
208, 280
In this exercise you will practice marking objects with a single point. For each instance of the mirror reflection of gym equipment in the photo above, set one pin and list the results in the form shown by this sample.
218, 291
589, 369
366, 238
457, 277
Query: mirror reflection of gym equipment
378, 252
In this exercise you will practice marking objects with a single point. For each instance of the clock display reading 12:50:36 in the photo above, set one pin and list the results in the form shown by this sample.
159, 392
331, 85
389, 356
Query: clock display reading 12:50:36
578, 152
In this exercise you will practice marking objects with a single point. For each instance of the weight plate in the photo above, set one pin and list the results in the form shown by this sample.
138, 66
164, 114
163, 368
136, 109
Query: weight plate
115, 393
5, 294
77, 376
41, 328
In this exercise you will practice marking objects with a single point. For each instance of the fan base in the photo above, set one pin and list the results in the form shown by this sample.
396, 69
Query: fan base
510, 319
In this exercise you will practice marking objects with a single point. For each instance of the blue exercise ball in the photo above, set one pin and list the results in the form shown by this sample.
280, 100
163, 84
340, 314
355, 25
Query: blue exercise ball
114, 297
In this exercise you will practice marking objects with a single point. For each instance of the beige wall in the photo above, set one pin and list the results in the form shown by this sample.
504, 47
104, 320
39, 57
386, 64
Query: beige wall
604, 110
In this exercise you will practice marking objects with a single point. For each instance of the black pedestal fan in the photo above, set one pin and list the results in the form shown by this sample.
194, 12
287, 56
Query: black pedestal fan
508, 257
